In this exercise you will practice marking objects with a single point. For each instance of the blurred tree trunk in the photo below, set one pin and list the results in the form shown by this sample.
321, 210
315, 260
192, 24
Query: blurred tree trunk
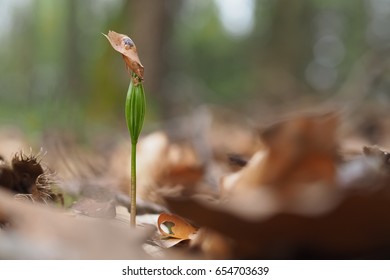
288, 48
151, 24
72, 54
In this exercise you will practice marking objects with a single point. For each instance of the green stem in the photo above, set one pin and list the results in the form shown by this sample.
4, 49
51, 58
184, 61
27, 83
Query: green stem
133, 188
135, 114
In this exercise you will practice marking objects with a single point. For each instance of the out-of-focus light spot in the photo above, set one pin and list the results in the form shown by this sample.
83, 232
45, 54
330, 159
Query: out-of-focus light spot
192, 14
237, 16
329, 51
329, 22
378, 33
7, 8
380, 6
321, 77
104, 8
380, 27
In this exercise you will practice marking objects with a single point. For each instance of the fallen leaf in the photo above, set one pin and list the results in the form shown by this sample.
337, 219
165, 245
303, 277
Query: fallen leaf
124, 45
162, 167
39, 231
183, 167
298, 152
358, 227
382, 156
212, 244
94, 208
228, 132
175, 226
370, 171
166, 243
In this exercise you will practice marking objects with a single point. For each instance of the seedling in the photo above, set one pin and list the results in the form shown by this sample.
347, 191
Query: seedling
134, 107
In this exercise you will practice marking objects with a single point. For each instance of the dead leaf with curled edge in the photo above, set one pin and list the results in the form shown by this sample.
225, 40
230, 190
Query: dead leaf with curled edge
164, 168
357, 228
176, 227
298, 161
382, 156
124, 45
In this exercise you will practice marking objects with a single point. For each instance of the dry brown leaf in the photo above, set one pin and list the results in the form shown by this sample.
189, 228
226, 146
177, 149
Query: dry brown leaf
176, 226
38, 231
299, 151
359, 227
94, 208
183, 166
382, 156
124, 45
168, 163
212, 244
370, 171
228, 132
166, 243
162, 166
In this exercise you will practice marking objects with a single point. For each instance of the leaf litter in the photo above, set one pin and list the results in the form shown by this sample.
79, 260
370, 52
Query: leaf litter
298, 188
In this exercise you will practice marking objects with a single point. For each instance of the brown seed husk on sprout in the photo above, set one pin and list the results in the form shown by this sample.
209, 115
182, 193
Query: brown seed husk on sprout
124, 45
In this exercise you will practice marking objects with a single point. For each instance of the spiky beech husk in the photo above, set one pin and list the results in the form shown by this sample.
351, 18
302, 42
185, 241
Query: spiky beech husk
29, 179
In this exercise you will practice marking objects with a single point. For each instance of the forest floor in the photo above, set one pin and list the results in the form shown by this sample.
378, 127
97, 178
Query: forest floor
216, 186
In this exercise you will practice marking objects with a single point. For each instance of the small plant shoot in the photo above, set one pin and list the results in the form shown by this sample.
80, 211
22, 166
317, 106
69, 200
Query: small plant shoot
135, 104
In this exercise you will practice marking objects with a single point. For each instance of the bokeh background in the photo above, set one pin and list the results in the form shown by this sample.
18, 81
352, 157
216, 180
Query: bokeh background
57, 71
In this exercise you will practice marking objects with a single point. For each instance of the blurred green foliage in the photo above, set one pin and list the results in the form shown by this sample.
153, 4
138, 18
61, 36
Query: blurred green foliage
57, 70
